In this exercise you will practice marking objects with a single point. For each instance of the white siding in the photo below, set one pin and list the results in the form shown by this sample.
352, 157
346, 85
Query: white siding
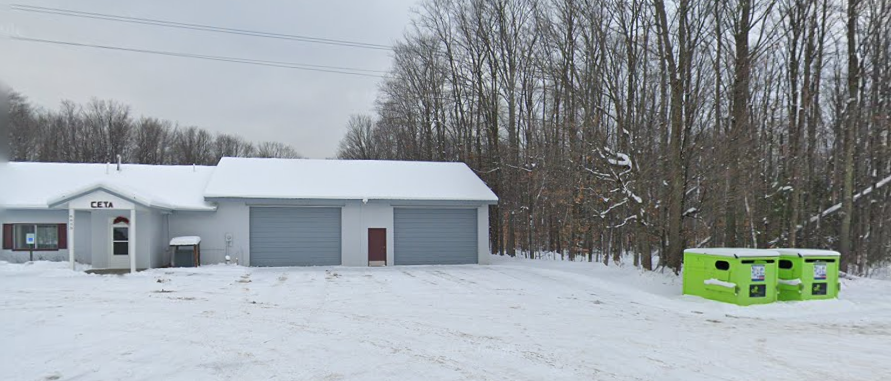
358, 217
91, 234
482, 226
83, 233
351, 242
150, 252
230, 217
99, 237
150, 249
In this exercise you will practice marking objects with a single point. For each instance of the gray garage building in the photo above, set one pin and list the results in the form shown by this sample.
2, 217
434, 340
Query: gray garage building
257, 212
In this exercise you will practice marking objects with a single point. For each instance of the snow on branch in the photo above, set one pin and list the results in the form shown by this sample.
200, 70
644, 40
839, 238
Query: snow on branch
601, 176
703, 242
619, 159
622, 161
625, 222
631, 194
836, 207
604, 213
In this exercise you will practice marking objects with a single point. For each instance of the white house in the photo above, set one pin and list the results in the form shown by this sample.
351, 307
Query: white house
259, 212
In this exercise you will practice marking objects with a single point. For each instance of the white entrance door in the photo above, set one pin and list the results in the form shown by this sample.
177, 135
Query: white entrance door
119, 244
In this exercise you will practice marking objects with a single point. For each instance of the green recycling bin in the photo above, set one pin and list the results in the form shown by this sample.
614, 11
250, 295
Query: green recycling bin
808, 274
739, 276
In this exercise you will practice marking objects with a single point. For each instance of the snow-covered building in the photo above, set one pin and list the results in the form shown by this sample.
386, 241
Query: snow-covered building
258, 212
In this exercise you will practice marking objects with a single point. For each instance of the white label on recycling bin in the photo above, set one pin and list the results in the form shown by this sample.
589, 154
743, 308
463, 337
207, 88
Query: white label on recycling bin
758, 273
819, 271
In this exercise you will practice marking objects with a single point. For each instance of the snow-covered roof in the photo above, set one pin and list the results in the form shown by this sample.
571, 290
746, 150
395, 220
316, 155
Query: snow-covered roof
28, 185
126, 193
734, 252
183, 241
809, 253
346, 180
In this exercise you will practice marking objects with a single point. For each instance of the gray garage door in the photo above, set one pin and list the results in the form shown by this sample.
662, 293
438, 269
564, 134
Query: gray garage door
434, 236
295, 236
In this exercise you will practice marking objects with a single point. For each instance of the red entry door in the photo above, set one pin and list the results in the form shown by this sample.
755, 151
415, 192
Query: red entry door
377, 245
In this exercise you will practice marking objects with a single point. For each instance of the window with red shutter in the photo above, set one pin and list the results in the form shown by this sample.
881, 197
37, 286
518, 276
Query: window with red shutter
47, 237
63, 236
7, 236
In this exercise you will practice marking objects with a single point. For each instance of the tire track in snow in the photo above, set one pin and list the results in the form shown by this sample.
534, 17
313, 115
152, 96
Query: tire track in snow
490, 343
453, 278
420, 279
463, 283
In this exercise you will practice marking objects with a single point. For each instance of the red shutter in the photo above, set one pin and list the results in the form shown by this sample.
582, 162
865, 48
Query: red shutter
63, 236
7, 236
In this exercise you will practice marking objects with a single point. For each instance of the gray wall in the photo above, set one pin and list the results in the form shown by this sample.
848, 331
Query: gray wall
233, 216
155, 230
230, 217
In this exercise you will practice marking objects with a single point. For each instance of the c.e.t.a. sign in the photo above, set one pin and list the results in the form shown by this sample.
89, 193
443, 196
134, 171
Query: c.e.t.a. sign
99, 200
101, 205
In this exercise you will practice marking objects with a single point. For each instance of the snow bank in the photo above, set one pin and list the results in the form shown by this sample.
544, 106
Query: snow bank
517, 319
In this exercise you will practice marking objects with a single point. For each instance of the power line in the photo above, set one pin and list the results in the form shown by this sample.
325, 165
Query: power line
200, 27
249, 61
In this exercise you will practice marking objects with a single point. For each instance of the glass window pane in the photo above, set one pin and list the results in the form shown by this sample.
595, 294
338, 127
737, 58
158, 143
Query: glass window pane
120, 234
47, 236
121, 248
20, 236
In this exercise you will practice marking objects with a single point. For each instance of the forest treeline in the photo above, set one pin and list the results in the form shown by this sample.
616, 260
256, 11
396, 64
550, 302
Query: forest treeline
615, 129
98, 131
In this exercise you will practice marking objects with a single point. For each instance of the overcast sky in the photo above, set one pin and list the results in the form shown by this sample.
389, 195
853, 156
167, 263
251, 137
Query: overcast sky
308, 110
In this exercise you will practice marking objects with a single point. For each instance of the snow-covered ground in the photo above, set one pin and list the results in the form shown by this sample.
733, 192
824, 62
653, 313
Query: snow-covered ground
513, 320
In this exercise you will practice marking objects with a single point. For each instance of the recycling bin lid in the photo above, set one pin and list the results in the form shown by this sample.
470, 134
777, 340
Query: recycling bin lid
808, 253
734, 252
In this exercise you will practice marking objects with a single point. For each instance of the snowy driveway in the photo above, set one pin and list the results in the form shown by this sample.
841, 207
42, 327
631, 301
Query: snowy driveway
513, 320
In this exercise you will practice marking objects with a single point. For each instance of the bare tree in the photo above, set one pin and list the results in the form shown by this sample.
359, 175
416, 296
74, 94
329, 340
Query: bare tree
616, 126
358, 143
103, 129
